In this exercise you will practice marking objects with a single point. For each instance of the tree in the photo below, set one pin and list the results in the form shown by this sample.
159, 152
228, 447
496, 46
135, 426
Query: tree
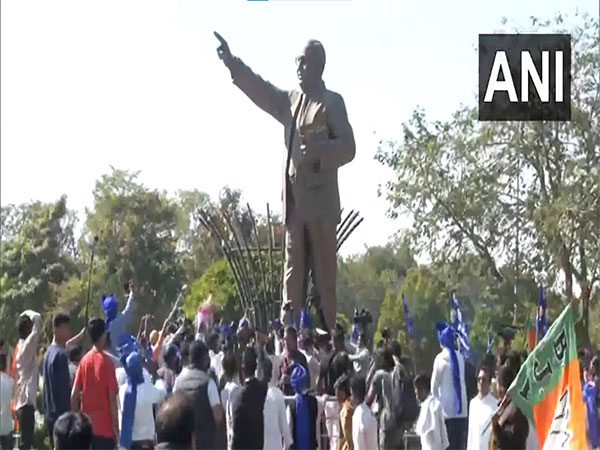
37, 259
138, 240
196, 248
363, 279
501, 189
485, 306
218, 283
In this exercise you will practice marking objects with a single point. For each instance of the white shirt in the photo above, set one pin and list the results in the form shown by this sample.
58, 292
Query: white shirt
277, 431
314, 367
230, 396
364, 428
532, 441
216, 363
442, 384
480, 414
143, 421
6, 392
72, 370
430, 425
276, 362
27, 364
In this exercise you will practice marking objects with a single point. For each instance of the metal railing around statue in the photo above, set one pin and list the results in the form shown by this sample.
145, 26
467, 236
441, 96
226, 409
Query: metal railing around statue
257, 262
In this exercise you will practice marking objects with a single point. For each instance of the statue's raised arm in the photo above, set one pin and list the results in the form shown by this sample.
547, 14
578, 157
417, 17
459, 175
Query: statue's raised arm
269, 98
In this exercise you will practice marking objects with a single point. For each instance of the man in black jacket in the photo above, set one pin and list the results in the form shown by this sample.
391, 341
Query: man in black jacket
248, 416
202, 391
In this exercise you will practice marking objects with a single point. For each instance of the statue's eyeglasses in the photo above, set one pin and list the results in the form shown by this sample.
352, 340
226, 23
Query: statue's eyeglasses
300, 60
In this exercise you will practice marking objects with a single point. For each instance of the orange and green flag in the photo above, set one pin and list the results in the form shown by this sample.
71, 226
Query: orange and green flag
548, 387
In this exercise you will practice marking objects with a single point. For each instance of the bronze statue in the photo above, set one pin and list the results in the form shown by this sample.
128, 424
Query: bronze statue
319, 140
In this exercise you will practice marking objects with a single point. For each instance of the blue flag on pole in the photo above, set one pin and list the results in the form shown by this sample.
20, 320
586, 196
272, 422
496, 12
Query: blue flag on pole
490, 342
542, 315
410, 325
460, 327
354, 335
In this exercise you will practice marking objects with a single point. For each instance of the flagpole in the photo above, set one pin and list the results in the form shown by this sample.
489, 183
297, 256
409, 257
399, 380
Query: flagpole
537, 311
517, 230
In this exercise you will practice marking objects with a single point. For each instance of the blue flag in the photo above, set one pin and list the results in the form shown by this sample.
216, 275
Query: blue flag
410, 325
354, 335
542, 315
460, 327
490, 342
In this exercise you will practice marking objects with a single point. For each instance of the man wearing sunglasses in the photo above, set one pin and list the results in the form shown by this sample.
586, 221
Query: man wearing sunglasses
319, 140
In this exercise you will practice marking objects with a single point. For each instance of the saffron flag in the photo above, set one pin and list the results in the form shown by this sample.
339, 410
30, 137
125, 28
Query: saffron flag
547, 389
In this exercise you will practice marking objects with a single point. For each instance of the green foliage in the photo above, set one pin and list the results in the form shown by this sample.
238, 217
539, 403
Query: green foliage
363, 279
485, 305
343, 320
138, 240
37, 259
217, 282
425, 293
196, 248
527, 192
143, 235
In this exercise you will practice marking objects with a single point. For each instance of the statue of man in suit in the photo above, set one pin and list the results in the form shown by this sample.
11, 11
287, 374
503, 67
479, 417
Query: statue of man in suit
319, 140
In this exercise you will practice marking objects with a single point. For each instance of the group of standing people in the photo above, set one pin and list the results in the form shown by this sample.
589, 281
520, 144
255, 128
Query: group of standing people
235, 388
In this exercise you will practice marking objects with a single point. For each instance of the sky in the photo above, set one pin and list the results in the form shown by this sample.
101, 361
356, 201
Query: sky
90, 85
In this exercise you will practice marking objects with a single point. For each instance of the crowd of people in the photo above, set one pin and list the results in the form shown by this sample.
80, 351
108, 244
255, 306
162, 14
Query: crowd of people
208, 385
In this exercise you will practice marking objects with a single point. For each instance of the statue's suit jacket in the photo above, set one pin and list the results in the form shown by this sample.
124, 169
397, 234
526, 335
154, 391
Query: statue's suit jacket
309, 194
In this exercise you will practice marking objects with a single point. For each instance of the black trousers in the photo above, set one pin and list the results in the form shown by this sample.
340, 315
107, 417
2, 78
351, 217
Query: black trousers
102, 443
457, 433
6, 442
26, 425
142, 445
50, 429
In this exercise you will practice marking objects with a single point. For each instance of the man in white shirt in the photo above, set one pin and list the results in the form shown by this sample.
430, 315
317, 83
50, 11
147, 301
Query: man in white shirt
481, 409
448, 386
364, 424
6, 393
230, 394
362, 358
216, 355
308, 349
143, 422
275, 361
277, 431
29, 326
430, 425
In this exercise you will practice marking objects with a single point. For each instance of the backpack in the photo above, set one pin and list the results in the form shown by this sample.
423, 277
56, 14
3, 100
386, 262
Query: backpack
404, 405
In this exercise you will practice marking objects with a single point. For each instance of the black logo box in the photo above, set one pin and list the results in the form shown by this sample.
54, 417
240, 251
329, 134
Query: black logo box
501, 108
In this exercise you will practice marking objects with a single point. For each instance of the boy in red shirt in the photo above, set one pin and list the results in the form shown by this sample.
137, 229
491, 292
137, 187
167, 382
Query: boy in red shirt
96, 386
